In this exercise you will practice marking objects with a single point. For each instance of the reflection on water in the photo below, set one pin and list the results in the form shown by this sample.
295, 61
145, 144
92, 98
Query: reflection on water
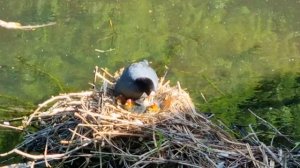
277, 99
230, 55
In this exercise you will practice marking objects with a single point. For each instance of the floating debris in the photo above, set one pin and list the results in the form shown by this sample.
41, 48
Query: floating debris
17, 25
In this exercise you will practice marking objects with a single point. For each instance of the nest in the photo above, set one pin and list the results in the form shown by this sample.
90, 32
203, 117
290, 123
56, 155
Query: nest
91, 129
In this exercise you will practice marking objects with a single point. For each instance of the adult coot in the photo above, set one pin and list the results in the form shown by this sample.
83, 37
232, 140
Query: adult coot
136, 79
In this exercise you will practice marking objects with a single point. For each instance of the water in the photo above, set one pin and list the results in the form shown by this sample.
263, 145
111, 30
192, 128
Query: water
231, 55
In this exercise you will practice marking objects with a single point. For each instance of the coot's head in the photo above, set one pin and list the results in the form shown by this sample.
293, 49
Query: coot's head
145, 85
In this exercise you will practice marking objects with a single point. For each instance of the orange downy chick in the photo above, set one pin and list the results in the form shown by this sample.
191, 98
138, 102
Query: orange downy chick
154, 107
167, 103
129, 104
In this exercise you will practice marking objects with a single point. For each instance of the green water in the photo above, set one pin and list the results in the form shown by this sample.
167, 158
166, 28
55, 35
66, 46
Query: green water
231, 55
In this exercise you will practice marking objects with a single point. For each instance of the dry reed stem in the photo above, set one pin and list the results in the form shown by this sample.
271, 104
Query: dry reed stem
11, 127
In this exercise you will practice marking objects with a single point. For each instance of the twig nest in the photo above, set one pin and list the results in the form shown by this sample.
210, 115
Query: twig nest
91, 129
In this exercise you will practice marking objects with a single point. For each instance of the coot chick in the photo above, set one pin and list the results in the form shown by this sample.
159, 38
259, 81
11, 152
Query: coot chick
135, 80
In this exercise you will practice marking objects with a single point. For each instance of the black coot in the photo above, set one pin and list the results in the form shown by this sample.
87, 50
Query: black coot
136, 79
